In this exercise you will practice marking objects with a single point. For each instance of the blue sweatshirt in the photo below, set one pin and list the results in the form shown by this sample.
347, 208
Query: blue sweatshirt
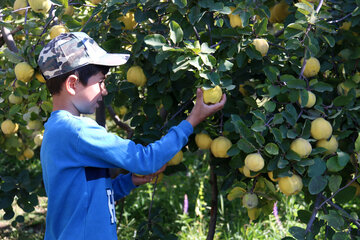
75, 156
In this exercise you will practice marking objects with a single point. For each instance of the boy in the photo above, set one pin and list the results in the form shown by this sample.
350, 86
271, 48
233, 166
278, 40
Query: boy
76, 152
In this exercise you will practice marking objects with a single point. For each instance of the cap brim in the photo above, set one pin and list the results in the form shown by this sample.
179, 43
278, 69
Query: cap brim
112, 59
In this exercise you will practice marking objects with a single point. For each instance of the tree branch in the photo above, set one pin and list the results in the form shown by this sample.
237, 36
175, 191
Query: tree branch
118, 122
8, 38
313, 215
214, 202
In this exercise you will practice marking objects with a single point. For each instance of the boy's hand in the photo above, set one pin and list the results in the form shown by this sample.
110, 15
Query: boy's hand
201, 110
140, 180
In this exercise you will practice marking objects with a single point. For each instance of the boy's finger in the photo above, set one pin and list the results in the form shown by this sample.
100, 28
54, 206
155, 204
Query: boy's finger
199, 93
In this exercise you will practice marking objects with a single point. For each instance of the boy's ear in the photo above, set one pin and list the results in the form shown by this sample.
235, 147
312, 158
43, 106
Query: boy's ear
70, 84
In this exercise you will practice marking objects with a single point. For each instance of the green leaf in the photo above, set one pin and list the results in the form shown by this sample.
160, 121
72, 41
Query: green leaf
272, 149
322, 87
329, 39
357, 143
342, 100
318, 168
253, 53
155, 40
293, 30
234, 150
206, 49
296, 84
12, 56
261, 28
292, 44
270, 106
181, 3
307, 9
274, 90
14, 109
343, 158
333, 219
195, 15
271, 73
337, 163
298, 232
246, 146
345, 195
282, 163
334, 182
317, 184
277, 135
176, 33
258, 126
225, 65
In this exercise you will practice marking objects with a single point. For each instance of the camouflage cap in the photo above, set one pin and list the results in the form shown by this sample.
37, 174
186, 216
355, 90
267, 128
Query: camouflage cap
70, 51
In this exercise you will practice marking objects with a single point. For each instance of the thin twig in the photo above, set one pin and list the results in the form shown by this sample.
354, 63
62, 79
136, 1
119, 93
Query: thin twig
152, 200
116, 118
341, 19
178, 112
313, 215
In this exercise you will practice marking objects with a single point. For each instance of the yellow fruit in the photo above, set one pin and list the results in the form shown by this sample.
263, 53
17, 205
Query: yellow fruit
136, 75
96, 1
203, 141
271, 176
320, 129
40, 77
38, 139
242, 90
21, 157
176, 159
253, 213
312, 67
236, 192
34, 125
16, 128
129, 21
69, 10
40, 6
123, 110
56, 30
250, 200
311, 100
254, 162
331, 145
290, 185
302, 147
8, 127
343, 88
13, 99
28, 153
235, 20
356, 77
20, 4
159, 178
261, 45
279, 12
346, 26
220, 146
24, 72
244, 170
212, 95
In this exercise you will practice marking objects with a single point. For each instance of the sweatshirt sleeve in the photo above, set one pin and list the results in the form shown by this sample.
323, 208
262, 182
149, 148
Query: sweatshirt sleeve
122, 186
98, 148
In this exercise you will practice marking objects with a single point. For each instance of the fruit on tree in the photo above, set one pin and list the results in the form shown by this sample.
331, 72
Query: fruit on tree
159, 177
24, 72
253, 213
136, 75
40, 6
56, 30
176, 159
20, 4
290, 185
311, 100
343, 88
69, 10
279, 12
203, 141
331, 145
212, 95
271, 176
220, 146
28, 153
254, 162
320, 129
96, 1
34, 125
250, 200
244, 170
13, 99
38, 139
235, 20
8, 127
356, 77
261, 45
129, 21
301, 146
40, 77
236, 192
312, 67
242, 90
123, 110
345, 26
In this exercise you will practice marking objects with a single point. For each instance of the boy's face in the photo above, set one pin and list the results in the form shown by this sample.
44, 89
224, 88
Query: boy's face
88, 97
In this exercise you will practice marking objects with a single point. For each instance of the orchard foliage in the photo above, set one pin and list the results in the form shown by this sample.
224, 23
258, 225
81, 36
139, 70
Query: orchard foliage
181, 45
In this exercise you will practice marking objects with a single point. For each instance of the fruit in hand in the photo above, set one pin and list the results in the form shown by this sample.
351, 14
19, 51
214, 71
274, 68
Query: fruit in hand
176, 159
220, 146
203, 141
136, 75
254, 162
212, 95
290, 185
302, 147
320, 129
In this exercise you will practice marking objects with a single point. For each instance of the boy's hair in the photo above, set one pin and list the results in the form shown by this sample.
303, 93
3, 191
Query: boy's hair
83, 73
